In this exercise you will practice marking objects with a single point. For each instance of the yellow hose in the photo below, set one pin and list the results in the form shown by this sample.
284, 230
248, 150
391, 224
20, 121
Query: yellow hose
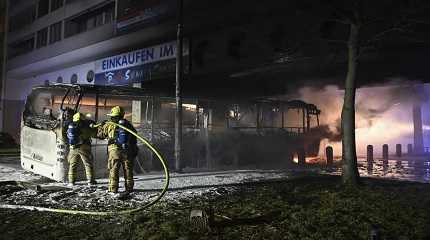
108, 213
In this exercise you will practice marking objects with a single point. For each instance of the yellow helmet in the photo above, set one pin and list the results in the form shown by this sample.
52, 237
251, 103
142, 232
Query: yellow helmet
116, 111
78, 116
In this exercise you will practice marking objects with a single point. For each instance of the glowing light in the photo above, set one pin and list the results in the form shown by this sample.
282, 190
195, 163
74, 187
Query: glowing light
313, 160
383, 116
189, 106
186, 106
296, 158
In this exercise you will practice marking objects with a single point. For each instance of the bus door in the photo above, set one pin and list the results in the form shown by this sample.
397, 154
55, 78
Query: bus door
104, 105
87, 106
139, 112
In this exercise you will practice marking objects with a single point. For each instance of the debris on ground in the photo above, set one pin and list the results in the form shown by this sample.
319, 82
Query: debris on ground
310, 207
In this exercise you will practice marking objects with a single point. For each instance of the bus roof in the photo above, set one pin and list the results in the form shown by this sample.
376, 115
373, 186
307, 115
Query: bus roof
132, 92
106, 90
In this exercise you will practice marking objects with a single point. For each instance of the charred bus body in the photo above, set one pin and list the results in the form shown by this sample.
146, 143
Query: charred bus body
217, 134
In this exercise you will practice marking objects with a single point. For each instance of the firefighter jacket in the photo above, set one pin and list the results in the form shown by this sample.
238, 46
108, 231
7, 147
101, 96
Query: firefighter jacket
109, 131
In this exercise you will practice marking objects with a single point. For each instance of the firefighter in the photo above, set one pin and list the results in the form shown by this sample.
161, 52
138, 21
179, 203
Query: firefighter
78, 136
122, 149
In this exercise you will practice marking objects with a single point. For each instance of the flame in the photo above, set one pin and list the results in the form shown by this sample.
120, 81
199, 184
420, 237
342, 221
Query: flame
314, 160
309, 160
296, 158
383, 116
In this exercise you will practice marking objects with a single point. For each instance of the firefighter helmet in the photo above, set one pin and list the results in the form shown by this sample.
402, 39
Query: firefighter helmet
78, 116
116, 111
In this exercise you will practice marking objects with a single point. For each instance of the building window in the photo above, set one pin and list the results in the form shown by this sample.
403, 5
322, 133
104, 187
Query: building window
91, 23
42, 8
56, 4
42, 38
89, 20
90, 76
99, 19
60, 79
55, 32
20, 47
109, 15
22, 18
70, 1
74, 79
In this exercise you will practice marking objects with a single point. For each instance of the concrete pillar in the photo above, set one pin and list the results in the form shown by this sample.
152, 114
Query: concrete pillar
207, 115
329, 155
258, 107
304, 120
398, 150
369, 159
154, 107
136, 108
410, 149
282, 116
369, 153
197, 116
308, 121
385, 152
418, 128
302, 156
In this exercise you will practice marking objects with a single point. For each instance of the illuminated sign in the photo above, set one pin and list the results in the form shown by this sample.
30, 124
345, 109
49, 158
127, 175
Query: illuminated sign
138, 12
136, 66
139, 57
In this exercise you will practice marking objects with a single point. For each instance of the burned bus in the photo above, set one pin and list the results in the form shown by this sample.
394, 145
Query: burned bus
217, 133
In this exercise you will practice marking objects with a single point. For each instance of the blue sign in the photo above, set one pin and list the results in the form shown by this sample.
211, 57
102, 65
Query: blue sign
136, 74
140, 65
143, 56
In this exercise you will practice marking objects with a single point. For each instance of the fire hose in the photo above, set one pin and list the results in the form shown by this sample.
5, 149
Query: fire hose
108, 213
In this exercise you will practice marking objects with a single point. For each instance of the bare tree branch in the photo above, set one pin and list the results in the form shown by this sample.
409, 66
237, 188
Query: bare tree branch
365, 49
338, 21
379, 36
334, 41
419, 21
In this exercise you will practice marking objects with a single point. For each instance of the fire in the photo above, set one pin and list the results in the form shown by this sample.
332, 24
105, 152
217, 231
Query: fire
310, 160
314, 160
296, 158
383, 115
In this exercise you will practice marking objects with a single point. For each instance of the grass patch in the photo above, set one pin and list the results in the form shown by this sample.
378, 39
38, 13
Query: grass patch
313, 207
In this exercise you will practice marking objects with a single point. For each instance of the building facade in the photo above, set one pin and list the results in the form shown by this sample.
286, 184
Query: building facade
73, 41
129, 41
233, 48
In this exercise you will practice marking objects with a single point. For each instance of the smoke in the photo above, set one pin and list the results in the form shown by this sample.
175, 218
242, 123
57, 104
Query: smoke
324, 131
329, 100
383, 114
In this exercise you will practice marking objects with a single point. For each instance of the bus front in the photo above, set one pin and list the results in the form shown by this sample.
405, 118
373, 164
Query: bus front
43, 150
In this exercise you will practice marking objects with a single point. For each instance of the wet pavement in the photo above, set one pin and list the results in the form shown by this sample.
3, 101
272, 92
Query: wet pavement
415, 169
10, 170
182, 186
44, 192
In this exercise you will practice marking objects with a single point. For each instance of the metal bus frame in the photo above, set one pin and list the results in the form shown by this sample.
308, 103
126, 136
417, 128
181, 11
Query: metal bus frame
211, 137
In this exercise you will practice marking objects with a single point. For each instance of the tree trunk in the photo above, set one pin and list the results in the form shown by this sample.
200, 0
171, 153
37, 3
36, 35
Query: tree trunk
350, 173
